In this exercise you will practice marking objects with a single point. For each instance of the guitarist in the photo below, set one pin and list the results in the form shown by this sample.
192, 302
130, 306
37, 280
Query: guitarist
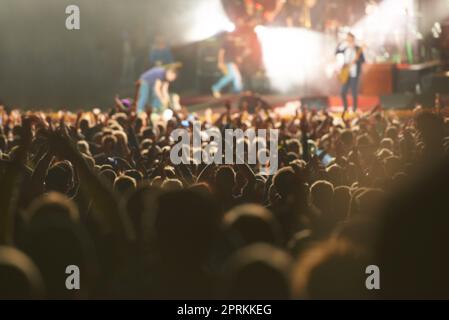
354, 59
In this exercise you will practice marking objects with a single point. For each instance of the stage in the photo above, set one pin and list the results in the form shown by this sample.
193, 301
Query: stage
391, 85
283, 104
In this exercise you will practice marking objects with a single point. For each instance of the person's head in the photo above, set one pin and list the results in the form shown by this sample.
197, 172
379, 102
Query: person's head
124, 185
225, 179
50, 205
145, 144
258, 272
350, 38
294, 146
59, 177
122, 119
366, 201
347, 138
83, 147
332, 270
109, 176
387, 143
291, 157
285, 181
392, 133
19, 276
121, 137
341, 202
97, 138
322, 194
335, 175
249, 224
16, 130
186, 225
108, 143
157, 182
90, 161
202, 187
172, 185
55, 239
171, 74
149, 133
135, 174
84, 125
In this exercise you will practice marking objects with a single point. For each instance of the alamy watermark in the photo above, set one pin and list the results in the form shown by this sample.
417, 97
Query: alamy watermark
73, 20
72, 281
252, 147
373, 280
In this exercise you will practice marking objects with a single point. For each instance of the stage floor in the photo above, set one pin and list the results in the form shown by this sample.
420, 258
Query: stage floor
284, 104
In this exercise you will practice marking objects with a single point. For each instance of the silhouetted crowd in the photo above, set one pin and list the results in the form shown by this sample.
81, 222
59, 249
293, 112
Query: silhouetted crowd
97, 190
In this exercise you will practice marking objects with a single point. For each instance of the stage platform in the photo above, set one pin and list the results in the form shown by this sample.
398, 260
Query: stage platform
282, 103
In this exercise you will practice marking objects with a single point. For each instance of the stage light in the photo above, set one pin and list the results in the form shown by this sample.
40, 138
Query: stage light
371, 8
230, 27
385, 23
258, 29
206, 19
295, 58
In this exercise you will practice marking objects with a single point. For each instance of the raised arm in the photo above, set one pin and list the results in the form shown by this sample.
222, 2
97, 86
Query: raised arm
105, 206
9, 185
36, 187
206, 174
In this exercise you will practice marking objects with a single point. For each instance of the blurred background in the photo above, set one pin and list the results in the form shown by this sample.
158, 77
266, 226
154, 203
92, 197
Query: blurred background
44, 65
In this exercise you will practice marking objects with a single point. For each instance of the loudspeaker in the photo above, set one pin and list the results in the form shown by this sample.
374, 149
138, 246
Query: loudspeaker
440, 83
407, 77
207, 58
316, 102
207, 71
398, 101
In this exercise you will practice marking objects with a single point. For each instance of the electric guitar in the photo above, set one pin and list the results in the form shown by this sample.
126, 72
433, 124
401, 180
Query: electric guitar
345, 71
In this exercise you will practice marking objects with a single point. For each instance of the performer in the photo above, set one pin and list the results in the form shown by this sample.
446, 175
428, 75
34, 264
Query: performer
354, 59
228, 60
153, 88
160, 53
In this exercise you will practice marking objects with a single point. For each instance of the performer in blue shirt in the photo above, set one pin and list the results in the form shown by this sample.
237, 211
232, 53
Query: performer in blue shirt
153, 88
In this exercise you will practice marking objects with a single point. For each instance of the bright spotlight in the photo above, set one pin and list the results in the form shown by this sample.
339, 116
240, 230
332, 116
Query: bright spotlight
294, 58
206, 20
230, 27
390, 20
258, 29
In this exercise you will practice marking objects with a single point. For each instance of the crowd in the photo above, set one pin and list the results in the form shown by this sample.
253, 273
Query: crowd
97, 190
